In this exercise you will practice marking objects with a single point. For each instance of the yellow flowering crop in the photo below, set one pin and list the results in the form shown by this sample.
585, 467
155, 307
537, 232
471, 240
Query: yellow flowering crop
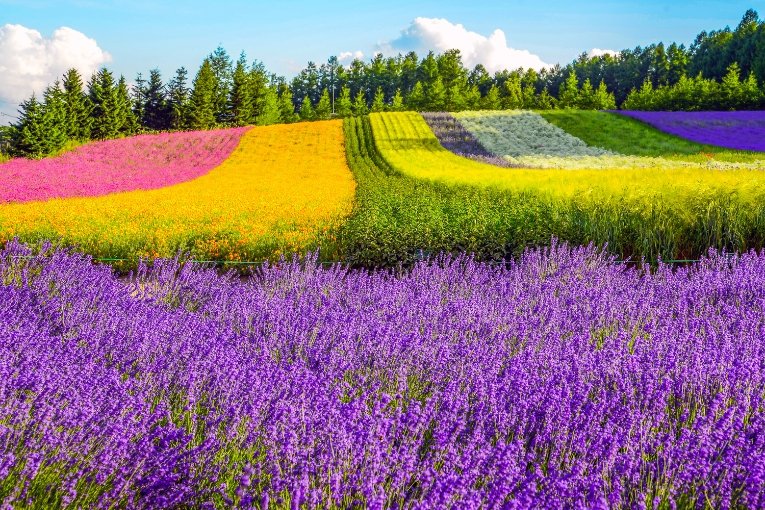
284, 189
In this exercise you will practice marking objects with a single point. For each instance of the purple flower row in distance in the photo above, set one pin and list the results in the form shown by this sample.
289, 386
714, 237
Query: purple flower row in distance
453, 136
740, 130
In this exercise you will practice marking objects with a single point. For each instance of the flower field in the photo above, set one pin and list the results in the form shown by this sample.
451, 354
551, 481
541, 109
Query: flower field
740, 130
562, 381
99, 168
282, 190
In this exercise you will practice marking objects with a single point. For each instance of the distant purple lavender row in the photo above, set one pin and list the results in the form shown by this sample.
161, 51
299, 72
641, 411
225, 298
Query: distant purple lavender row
454, 137
566, 381
741, 130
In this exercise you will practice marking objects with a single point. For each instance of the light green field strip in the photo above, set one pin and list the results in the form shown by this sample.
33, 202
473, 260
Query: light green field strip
528, 139
408, 144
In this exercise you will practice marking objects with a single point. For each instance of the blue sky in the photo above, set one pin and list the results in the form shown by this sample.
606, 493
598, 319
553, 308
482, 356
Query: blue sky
140, 35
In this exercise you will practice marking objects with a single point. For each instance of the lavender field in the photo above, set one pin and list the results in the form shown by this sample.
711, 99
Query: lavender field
741, 130
564, 381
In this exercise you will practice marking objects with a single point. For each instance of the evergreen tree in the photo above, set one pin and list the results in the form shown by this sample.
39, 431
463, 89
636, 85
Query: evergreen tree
324, 106
603, 99
545, 101
491, 100
287, 107
202, 106
178, 99
472, 98
106, 114
415, 101
29, 137
157, 114
139, 97
259, 82
359, 106
126, 122
270, 112
306, 109
513, 97
241, 102
436, 95
568, 96
378, 102
732, 91
77, 107
751, 93
222, 70
587, 99
455, 98
344, 102
54, 115
397, 104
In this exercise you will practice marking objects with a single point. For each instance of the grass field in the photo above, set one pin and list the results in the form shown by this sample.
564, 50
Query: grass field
283, 190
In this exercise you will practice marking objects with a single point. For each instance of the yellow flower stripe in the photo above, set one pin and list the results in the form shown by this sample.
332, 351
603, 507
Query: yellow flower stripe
284, 189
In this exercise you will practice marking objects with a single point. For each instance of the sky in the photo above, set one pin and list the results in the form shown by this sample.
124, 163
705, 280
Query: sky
40, 39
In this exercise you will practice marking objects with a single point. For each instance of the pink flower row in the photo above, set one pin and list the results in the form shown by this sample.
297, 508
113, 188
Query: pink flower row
138, 163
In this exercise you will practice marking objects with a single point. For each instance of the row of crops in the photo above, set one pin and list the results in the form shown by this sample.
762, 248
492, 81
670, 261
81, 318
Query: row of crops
560, 378
394, 187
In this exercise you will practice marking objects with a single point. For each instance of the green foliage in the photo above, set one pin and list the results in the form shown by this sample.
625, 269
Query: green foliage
286, 106
221, 83
178, 98
397, 104
202, 105
568, 95
107, 115
359, 106
306, 109
157, 114
241, 100
270, 109
378, 103
78, 108
344, 105
323, 107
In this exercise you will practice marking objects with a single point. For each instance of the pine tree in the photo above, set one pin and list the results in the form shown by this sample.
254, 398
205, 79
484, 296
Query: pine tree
436, 95
306, 109
324, 106
287, 107
604, 100
77, 107
455, 99
126, 122
586, 99
270, 112
178, 99
513, 96
157, 113
731, 89
54, 115
222, 70
545, 101
415, 100
29, 136
568, 96
359, 106
751, 93
491, 100
378, 102
139, 97
202, 103
397, 104
106, 114
344, 102
241, 101
472, 98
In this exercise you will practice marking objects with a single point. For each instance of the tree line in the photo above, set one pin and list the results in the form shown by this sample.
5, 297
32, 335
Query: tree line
722, 69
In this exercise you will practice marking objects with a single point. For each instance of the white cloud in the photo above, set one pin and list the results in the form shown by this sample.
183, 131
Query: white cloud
597, 52
347, 56
29, 62
438, 34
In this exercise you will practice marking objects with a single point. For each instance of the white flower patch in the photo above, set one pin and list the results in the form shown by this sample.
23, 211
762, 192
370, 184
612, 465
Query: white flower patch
522, 133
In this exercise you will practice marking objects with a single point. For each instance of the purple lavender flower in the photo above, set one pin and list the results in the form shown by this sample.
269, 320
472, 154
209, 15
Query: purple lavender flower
741, 130
454, 137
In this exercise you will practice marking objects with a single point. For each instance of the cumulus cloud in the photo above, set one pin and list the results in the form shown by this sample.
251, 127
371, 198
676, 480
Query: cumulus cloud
438, 34
597, 52
347, 56
29, 61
